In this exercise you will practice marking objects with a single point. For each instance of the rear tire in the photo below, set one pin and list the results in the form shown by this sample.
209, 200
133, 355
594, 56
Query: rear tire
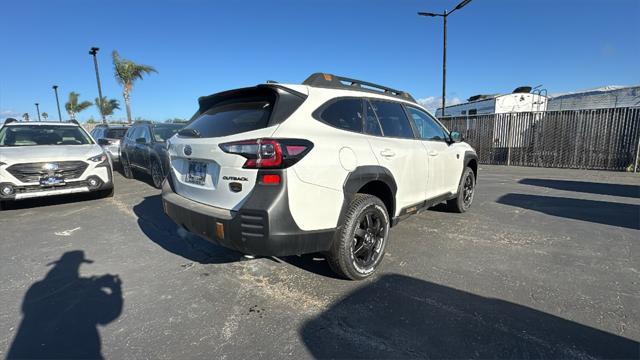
466, 191
359, 245
127, 171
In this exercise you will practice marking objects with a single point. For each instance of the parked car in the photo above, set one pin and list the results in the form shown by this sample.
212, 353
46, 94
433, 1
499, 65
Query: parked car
327, 166
143, 148
109, 137
50, 158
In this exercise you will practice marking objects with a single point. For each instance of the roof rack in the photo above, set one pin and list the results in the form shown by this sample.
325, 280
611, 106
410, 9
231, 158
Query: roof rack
339, 82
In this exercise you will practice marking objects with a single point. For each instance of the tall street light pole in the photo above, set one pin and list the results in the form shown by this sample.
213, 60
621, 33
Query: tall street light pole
38, 110
444, 16
93, 51
55, 89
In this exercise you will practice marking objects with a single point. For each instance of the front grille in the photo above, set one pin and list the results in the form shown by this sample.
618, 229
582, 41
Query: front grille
32, 172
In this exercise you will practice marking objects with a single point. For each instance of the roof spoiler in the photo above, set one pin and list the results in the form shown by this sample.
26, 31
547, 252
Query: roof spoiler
339, 82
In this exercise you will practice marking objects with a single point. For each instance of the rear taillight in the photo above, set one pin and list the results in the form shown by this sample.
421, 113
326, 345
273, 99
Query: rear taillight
269, 153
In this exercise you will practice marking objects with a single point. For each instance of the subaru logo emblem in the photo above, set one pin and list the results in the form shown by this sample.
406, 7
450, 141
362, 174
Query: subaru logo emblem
51, 167
187, 150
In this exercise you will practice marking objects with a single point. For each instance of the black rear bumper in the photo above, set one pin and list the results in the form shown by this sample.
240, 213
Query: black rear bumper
263, 226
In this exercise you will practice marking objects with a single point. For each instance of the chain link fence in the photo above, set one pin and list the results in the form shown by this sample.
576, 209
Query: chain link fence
603, 139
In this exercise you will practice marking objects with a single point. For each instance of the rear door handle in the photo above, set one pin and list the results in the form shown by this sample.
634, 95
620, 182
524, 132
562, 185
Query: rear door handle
433, 153
387, 153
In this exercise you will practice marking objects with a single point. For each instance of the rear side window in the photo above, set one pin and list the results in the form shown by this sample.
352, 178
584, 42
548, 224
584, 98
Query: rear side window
344, 114
371, 124
393, 119
233, 117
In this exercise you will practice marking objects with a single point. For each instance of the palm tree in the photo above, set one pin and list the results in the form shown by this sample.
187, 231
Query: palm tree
108, 105
25, 117
45, 116
126, 73
73, 107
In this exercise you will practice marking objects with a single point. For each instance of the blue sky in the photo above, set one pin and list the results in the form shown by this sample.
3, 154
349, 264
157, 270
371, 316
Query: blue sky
201, 47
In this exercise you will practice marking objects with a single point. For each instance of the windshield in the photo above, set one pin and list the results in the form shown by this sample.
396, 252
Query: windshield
33, 135
162, 132
116, 133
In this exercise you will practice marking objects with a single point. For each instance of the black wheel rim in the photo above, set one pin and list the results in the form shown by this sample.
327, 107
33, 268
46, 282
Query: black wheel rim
156, 174
368, 239
467, 190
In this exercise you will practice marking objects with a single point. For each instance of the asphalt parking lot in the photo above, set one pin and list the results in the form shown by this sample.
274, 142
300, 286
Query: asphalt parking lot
545, 265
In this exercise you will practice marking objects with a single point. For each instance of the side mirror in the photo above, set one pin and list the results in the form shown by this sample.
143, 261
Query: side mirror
104, 142
141, 140
456, 137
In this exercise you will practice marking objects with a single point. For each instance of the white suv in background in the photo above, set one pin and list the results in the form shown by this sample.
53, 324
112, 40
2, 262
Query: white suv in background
327, 166
50, 158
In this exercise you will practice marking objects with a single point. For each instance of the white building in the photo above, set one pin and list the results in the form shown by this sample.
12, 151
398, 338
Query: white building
521, 100
599, 98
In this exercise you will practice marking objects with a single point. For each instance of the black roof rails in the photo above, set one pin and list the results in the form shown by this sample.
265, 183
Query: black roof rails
340, 82
74, 122
9, 121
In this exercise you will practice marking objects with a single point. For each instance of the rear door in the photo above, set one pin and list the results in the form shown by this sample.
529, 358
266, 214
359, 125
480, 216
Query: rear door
398, 150
441, 159
143, 149
200, 169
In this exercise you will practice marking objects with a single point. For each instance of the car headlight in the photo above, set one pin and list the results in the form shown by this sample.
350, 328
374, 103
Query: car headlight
98, 158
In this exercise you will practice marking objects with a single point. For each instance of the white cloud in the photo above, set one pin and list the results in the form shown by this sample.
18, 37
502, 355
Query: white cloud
9, 114
433, 102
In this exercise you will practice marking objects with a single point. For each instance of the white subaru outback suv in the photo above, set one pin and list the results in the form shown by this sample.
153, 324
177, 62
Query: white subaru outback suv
327, 166
50, 158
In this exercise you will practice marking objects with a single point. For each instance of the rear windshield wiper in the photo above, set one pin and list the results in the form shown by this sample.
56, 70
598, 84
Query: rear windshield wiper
189, 133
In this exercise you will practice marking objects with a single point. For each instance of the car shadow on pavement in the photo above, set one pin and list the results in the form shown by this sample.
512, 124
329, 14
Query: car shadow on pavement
632, 191
402, 317
163, 231
50, 201
603, 212
61, 312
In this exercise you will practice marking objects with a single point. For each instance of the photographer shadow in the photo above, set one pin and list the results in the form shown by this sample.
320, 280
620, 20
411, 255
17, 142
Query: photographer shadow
62, 311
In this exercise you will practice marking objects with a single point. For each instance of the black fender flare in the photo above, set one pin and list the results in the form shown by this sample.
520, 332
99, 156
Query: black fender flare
468, 156
361, 176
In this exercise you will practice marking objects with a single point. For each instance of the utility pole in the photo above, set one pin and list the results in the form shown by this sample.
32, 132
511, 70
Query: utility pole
93, 51
444, 16
55, 89
38, 110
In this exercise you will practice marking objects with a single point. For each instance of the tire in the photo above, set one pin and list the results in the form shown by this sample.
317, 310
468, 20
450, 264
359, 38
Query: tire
3, 206
359, 245
127, 171
463, 201
157, 176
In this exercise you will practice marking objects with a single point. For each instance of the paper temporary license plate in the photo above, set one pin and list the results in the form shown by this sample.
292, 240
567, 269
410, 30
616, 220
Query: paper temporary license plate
197, 173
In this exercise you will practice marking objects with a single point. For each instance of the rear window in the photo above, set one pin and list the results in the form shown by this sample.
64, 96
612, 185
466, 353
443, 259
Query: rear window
233, 117
115, 133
